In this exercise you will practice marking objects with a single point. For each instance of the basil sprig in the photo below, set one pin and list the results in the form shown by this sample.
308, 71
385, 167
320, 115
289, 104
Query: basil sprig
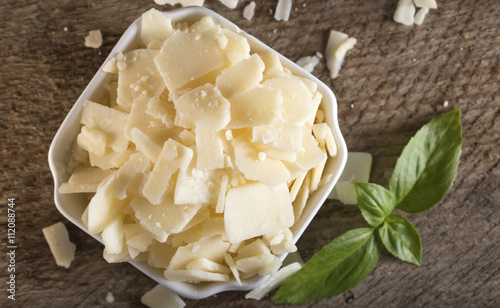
424, 173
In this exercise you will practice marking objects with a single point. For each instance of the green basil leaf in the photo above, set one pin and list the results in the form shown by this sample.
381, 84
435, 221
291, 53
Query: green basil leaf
401, 239
426, 169
375, 202
336, 268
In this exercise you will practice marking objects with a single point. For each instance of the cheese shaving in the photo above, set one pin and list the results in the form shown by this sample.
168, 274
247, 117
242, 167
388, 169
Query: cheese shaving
308, 63
232, 4
58, 239
338, 45
160, 296
283, 9
94, 39
249, 11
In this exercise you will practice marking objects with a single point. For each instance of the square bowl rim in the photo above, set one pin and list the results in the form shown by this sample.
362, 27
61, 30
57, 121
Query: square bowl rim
203, 290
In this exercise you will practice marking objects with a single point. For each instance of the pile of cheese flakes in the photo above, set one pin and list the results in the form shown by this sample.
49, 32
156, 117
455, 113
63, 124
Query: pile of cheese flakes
202, 156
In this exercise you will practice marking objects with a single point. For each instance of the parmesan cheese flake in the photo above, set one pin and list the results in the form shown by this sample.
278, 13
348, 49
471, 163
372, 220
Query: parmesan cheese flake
58, 239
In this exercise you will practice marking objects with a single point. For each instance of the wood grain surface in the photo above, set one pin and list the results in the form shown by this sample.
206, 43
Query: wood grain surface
395, 80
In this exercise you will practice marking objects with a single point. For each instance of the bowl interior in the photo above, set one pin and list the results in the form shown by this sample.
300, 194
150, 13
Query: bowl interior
73, 205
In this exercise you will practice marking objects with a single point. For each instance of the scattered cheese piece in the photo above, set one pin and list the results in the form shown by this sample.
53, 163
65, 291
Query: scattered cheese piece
161, 297
94, 39
337, 46
283, 9
58, 239
420, 15
184, 3
274, 281
110, 298
405, 12
430, 4
230, 3
249, 11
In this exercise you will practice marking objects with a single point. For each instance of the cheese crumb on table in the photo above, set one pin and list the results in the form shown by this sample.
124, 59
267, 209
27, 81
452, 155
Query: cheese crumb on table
249, 11
110, 298
94, 39
58, 239
161, 297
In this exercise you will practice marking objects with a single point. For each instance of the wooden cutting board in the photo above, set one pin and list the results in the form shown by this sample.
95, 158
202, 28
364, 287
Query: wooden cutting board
395, 80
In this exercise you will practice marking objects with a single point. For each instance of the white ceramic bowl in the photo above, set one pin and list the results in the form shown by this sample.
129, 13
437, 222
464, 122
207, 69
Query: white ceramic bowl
73, 205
